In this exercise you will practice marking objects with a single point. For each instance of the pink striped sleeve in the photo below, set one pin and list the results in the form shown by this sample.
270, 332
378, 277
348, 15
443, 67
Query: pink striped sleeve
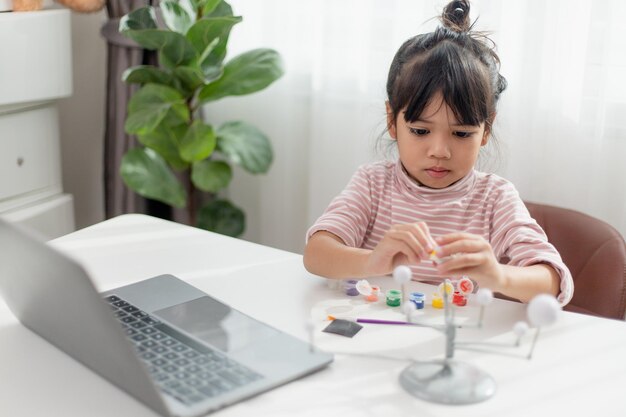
518, 237
349, 213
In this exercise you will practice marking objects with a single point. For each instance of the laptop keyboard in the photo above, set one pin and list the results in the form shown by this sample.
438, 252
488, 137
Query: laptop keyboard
183, 368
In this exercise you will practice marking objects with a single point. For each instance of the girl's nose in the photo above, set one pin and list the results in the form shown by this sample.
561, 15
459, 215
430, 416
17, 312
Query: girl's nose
439, 148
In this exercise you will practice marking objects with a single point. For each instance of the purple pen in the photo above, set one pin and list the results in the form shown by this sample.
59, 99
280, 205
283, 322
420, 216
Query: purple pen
377, 321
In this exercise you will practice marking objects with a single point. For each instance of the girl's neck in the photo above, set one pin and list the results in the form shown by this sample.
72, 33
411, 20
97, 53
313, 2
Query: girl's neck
455, 190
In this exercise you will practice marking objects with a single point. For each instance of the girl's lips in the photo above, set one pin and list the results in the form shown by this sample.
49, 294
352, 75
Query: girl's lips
437, 173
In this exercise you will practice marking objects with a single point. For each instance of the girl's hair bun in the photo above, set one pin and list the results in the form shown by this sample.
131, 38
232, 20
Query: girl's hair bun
455, 16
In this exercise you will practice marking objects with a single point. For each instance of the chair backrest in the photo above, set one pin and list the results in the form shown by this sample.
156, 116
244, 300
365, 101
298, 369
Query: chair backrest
595, 254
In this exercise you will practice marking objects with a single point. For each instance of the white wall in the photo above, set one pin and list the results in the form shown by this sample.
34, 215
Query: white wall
82, 120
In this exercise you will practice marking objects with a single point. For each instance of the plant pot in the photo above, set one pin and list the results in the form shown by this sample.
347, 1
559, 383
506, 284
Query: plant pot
26, 5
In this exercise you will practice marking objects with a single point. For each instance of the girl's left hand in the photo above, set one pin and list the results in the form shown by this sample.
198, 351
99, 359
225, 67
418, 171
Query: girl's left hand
473, 256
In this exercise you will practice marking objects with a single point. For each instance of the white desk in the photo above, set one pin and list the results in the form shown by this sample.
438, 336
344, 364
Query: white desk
579, 366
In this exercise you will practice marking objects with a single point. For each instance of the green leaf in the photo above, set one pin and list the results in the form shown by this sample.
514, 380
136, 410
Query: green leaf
165, 140
246, 146
144, 74
203, 34
190, 78
152, 39
191, 6
173, 46
208, 49
150, 105
211, 176
145, 120
173, 118
212, 73
221, 216
178, 50
146, 173
247, 73
198, 143
207, 6
176, 17
139, 19
216, 8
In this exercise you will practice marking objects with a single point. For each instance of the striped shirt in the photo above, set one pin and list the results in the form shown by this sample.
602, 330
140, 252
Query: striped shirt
382, 194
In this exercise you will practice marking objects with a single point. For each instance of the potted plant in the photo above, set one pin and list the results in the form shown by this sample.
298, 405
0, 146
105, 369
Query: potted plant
182, 155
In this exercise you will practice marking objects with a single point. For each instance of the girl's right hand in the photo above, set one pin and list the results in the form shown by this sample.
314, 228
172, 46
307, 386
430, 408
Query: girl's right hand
402, 244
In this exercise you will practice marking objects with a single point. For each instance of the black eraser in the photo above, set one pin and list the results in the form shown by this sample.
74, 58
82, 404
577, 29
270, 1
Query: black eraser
343, 327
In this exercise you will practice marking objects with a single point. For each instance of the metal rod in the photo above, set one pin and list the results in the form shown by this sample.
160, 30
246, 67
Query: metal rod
532, 348
480, 317
511, 345
494, 352
450, 329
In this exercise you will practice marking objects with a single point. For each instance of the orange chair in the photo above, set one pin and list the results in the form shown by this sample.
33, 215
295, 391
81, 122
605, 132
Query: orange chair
595, 254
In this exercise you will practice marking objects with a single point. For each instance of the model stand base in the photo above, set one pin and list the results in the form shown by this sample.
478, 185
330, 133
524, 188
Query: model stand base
447, 382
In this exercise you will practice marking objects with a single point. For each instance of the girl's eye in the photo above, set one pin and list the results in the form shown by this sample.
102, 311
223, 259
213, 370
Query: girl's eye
463, 135
418, 131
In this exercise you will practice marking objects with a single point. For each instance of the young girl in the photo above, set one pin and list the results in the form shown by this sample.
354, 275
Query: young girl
442, 92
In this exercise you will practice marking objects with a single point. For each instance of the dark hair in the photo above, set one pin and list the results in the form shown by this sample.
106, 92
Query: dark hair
453, 60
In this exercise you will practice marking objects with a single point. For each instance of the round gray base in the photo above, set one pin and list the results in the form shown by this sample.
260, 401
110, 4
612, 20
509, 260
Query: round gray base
447, 382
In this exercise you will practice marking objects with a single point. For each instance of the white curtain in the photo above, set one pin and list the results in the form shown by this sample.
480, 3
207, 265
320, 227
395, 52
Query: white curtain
560, 126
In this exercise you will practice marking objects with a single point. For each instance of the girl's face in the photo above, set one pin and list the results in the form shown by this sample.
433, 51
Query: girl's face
436, 150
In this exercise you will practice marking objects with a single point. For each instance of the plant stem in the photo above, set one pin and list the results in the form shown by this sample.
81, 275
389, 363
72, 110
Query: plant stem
191, 189
191, 200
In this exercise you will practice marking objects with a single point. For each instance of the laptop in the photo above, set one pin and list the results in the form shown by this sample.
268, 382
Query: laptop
171, 346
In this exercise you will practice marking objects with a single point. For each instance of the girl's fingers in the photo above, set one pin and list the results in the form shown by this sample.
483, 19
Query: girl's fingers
422, 234
461, 243
406, 243
429, 240
459, 263
413, 240
389, 253
463, 246
453, 237
394, 248
410, 254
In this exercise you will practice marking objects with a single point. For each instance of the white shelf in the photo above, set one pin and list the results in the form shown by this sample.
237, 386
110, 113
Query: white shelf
36, 71
51, 217
35, 52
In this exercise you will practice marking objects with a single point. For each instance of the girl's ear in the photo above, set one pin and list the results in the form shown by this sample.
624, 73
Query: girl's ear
391, 123
488, 127
485, 139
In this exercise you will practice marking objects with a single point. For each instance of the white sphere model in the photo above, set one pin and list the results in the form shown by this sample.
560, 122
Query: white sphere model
402, 274
484, 296
520, 328
409, 308
543, 310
